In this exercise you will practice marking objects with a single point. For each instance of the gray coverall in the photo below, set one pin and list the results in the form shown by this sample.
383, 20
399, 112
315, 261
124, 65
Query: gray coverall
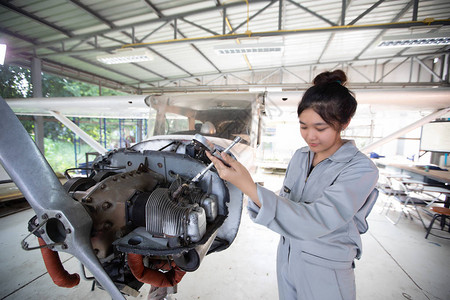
320, 218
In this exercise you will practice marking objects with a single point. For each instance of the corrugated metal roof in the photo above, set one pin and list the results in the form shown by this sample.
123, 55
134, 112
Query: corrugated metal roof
68, 35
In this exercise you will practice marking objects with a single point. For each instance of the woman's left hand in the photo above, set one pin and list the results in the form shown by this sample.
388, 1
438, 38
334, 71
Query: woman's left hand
236, 174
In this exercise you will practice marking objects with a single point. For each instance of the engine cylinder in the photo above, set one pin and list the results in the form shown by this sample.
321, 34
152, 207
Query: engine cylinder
136, 209
167, 218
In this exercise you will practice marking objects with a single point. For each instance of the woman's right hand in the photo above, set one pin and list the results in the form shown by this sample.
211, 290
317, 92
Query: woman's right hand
236, 174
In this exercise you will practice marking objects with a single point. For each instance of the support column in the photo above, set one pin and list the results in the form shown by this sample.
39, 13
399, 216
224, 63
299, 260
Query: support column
36, 81
445, 68
139, 131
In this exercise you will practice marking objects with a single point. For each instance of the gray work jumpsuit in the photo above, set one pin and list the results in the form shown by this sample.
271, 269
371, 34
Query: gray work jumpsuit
320, 217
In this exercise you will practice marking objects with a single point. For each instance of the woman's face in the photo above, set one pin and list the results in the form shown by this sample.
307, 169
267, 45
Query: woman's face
321, 138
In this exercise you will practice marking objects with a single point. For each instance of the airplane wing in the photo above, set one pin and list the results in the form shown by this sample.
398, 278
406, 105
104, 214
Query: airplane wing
392, 98
120, 107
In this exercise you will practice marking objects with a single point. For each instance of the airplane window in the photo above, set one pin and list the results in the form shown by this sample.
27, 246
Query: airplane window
176, 123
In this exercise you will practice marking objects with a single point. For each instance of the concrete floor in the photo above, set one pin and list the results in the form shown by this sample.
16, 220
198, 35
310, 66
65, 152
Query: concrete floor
397, 263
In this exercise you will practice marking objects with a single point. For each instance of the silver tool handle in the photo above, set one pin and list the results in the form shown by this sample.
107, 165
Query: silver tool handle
203, 172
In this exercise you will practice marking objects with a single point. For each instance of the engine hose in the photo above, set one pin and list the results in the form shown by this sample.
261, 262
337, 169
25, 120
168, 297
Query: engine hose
55, 268
154, 277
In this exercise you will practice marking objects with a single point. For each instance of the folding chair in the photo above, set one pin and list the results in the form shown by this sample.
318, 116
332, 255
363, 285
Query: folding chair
385, 186
439, 213
407, 199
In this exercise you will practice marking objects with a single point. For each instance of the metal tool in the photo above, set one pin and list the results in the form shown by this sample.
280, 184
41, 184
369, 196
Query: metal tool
214, 152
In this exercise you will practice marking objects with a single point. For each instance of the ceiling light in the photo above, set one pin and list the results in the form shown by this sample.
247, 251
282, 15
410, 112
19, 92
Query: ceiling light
413, 40
2, 53
249, 49
126, 55
258, 89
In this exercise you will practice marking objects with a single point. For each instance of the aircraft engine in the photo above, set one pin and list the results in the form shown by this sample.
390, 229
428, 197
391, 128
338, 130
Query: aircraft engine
151, 221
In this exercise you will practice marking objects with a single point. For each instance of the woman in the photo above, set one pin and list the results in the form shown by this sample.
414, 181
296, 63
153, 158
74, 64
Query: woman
321, 210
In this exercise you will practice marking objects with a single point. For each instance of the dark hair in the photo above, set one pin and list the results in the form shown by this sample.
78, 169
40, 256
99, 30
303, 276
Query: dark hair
330, 99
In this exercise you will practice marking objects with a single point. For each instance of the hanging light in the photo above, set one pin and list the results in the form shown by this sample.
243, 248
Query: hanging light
260, 48
126, 55
413, 40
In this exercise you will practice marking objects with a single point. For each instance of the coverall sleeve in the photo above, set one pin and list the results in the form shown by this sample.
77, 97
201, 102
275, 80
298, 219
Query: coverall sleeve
335, 207
253, 209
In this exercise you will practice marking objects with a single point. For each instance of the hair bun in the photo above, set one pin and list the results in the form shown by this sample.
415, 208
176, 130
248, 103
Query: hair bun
330, 77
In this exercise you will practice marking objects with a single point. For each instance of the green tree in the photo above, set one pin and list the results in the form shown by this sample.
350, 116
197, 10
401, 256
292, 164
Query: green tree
15, 82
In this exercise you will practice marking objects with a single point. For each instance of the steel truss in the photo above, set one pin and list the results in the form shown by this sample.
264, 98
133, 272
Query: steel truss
404, 71
381, 70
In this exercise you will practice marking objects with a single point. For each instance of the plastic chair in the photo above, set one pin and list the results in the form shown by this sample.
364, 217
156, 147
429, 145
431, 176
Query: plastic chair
439, 213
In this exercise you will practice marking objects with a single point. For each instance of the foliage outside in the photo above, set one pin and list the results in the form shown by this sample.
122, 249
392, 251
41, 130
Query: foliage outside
15, 82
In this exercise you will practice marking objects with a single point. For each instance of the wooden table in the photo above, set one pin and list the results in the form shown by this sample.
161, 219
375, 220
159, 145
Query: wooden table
417, 173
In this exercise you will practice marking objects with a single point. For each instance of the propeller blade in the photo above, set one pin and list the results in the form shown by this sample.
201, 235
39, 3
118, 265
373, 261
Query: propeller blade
67, 222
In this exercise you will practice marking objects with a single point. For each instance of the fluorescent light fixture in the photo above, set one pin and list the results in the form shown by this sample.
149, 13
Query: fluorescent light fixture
261, 48
258, 89
413, 40
126, 55
2, 53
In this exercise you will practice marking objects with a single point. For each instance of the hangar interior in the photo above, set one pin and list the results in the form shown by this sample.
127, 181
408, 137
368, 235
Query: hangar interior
205, 55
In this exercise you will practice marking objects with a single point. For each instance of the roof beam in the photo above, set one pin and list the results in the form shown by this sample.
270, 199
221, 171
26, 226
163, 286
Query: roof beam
390, 25
333, 34
313, 13
209, 79
375, 5
395, 19
93, 13
146, 22
61, 30
76, 74
35, 18
251, 18
428, 68
30, 41
415, 10
17, 36
155, 30
176, 30
199, 26
280, 14
173, 63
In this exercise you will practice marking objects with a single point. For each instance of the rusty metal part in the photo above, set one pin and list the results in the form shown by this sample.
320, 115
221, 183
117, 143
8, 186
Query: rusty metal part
107, 200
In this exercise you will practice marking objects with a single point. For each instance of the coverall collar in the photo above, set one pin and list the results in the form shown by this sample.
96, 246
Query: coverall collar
344, 154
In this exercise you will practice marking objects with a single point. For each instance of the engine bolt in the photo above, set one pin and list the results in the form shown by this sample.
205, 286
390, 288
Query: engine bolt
107, 225
68, 231
106, 205
58, 216
129, 163
103, 186
160, 165
88, 200
64, 246
44, 216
